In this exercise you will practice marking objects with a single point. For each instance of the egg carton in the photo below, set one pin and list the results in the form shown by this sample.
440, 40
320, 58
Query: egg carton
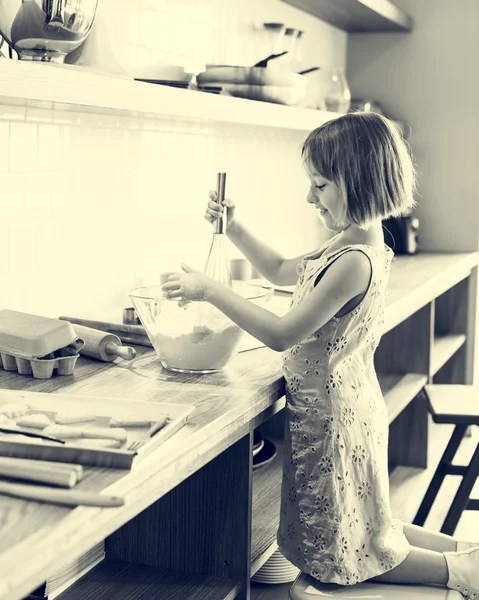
42, 368
36, 345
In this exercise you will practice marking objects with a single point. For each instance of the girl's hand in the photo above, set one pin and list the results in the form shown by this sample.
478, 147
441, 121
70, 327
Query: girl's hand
214, 210
188, 286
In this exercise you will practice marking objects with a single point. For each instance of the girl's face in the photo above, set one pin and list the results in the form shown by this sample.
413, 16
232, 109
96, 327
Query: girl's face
326, 198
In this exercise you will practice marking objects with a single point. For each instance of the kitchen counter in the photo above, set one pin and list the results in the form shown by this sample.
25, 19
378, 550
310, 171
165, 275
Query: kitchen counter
229, 405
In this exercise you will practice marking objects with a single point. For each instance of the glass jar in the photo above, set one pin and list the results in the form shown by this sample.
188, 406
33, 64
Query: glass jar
334, 91
273, 38
297, 60
289, 45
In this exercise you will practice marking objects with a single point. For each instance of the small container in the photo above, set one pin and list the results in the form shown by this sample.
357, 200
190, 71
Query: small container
35, 345
39, 368
32, 336
130, 317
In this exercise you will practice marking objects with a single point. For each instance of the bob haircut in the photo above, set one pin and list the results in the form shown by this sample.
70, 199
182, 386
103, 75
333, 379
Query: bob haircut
365, 156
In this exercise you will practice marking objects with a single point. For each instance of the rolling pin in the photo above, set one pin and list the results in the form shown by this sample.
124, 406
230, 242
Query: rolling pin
101, 345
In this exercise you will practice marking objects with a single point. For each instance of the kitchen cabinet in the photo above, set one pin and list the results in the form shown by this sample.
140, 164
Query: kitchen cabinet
197, 521
358, 16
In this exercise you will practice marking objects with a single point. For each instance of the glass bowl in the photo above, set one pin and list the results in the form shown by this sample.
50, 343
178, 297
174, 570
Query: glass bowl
196, 337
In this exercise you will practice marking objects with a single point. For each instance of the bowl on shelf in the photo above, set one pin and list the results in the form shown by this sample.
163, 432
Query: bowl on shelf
195, 337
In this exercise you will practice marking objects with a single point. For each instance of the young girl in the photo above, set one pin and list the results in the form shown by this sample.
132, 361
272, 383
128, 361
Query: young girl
336, 522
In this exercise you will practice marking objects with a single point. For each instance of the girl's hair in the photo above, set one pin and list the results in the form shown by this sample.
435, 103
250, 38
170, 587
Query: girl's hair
366, 157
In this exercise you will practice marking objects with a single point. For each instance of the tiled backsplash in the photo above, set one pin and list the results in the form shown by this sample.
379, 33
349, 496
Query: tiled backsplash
93, 205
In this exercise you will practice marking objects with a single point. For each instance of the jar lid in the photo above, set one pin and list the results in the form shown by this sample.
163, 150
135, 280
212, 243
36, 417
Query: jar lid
273, 25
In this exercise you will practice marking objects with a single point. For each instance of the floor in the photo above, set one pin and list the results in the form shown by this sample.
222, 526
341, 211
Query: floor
405, 483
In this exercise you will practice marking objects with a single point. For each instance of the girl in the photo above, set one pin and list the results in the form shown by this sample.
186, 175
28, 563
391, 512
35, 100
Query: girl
336, 522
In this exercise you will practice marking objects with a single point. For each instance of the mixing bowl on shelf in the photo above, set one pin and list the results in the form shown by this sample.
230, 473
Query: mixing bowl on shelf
195, 337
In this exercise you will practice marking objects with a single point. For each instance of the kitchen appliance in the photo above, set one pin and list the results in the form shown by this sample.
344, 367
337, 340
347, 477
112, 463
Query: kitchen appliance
401, 234
46, 30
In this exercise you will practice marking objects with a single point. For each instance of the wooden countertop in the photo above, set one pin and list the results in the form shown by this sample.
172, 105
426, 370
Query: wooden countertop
228, 405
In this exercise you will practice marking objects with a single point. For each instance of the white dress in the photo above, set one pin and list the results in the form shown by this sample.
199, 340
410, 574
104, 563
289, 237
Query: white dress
336, 522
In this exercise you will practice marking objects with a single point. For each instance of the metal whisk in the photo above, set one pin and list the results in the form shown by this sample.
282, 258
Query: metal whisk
217, 264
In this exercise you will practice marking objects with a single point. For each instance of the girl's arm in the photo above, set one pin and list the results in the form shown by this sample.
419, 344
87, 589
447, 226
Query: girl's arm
348, 277
268, 262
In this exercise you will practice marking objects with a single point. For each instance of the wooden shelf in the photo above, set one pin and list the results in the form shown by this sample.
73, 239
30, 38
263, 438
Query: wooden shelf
266, 507
43, 85
399, 390
358, 16
445, 346
125, 581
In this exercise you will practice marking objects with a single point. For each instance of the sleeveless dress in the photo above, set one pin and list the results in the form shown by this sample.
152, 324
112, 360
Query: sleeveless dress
336, 522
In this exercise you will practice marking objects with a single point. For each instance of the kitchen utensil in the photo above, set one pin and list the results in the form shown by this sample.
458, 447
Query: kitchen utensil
46, 31
310, 70
30, 470
289, 95
63, 497
251, 76
31, 434
77, 469
194, 338
134, 446
103, 346
132, 334
265, 61
217, 265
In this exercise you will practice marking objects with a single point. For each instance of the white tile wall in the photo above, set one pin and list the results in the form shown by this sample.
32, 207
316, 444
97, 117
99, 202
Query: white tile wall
92, 206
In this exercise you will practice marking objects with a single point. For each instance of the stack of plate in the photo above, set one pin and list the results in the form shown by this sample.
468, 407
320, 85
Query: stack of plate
276, 570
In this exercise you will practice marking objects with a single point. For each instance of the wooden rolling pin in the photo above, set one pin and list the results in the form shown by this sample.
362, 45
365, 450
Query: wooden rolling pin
101, 345
38, 471
65, 497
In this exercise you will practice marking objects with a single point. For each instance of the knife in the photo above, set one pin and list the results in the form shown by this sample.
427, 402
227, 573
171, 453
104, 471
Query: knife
31, 434
64, 497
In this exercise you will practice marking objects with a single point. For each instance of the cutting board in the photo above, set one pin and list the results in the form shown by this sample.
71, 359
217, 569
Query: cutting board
104, 408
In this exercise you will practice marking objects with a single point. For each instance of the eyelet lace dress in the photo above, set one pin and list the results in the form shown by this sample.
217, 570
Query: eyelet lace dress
336, 522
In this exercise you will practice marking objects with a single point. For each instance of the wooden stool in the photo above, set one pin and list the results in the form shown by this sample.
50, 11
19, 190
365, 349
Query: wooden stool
307, 588
457, 405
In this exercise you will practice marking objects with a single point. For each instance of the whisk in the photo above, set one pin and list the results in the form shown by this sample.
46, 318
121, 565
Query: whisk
217, 265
